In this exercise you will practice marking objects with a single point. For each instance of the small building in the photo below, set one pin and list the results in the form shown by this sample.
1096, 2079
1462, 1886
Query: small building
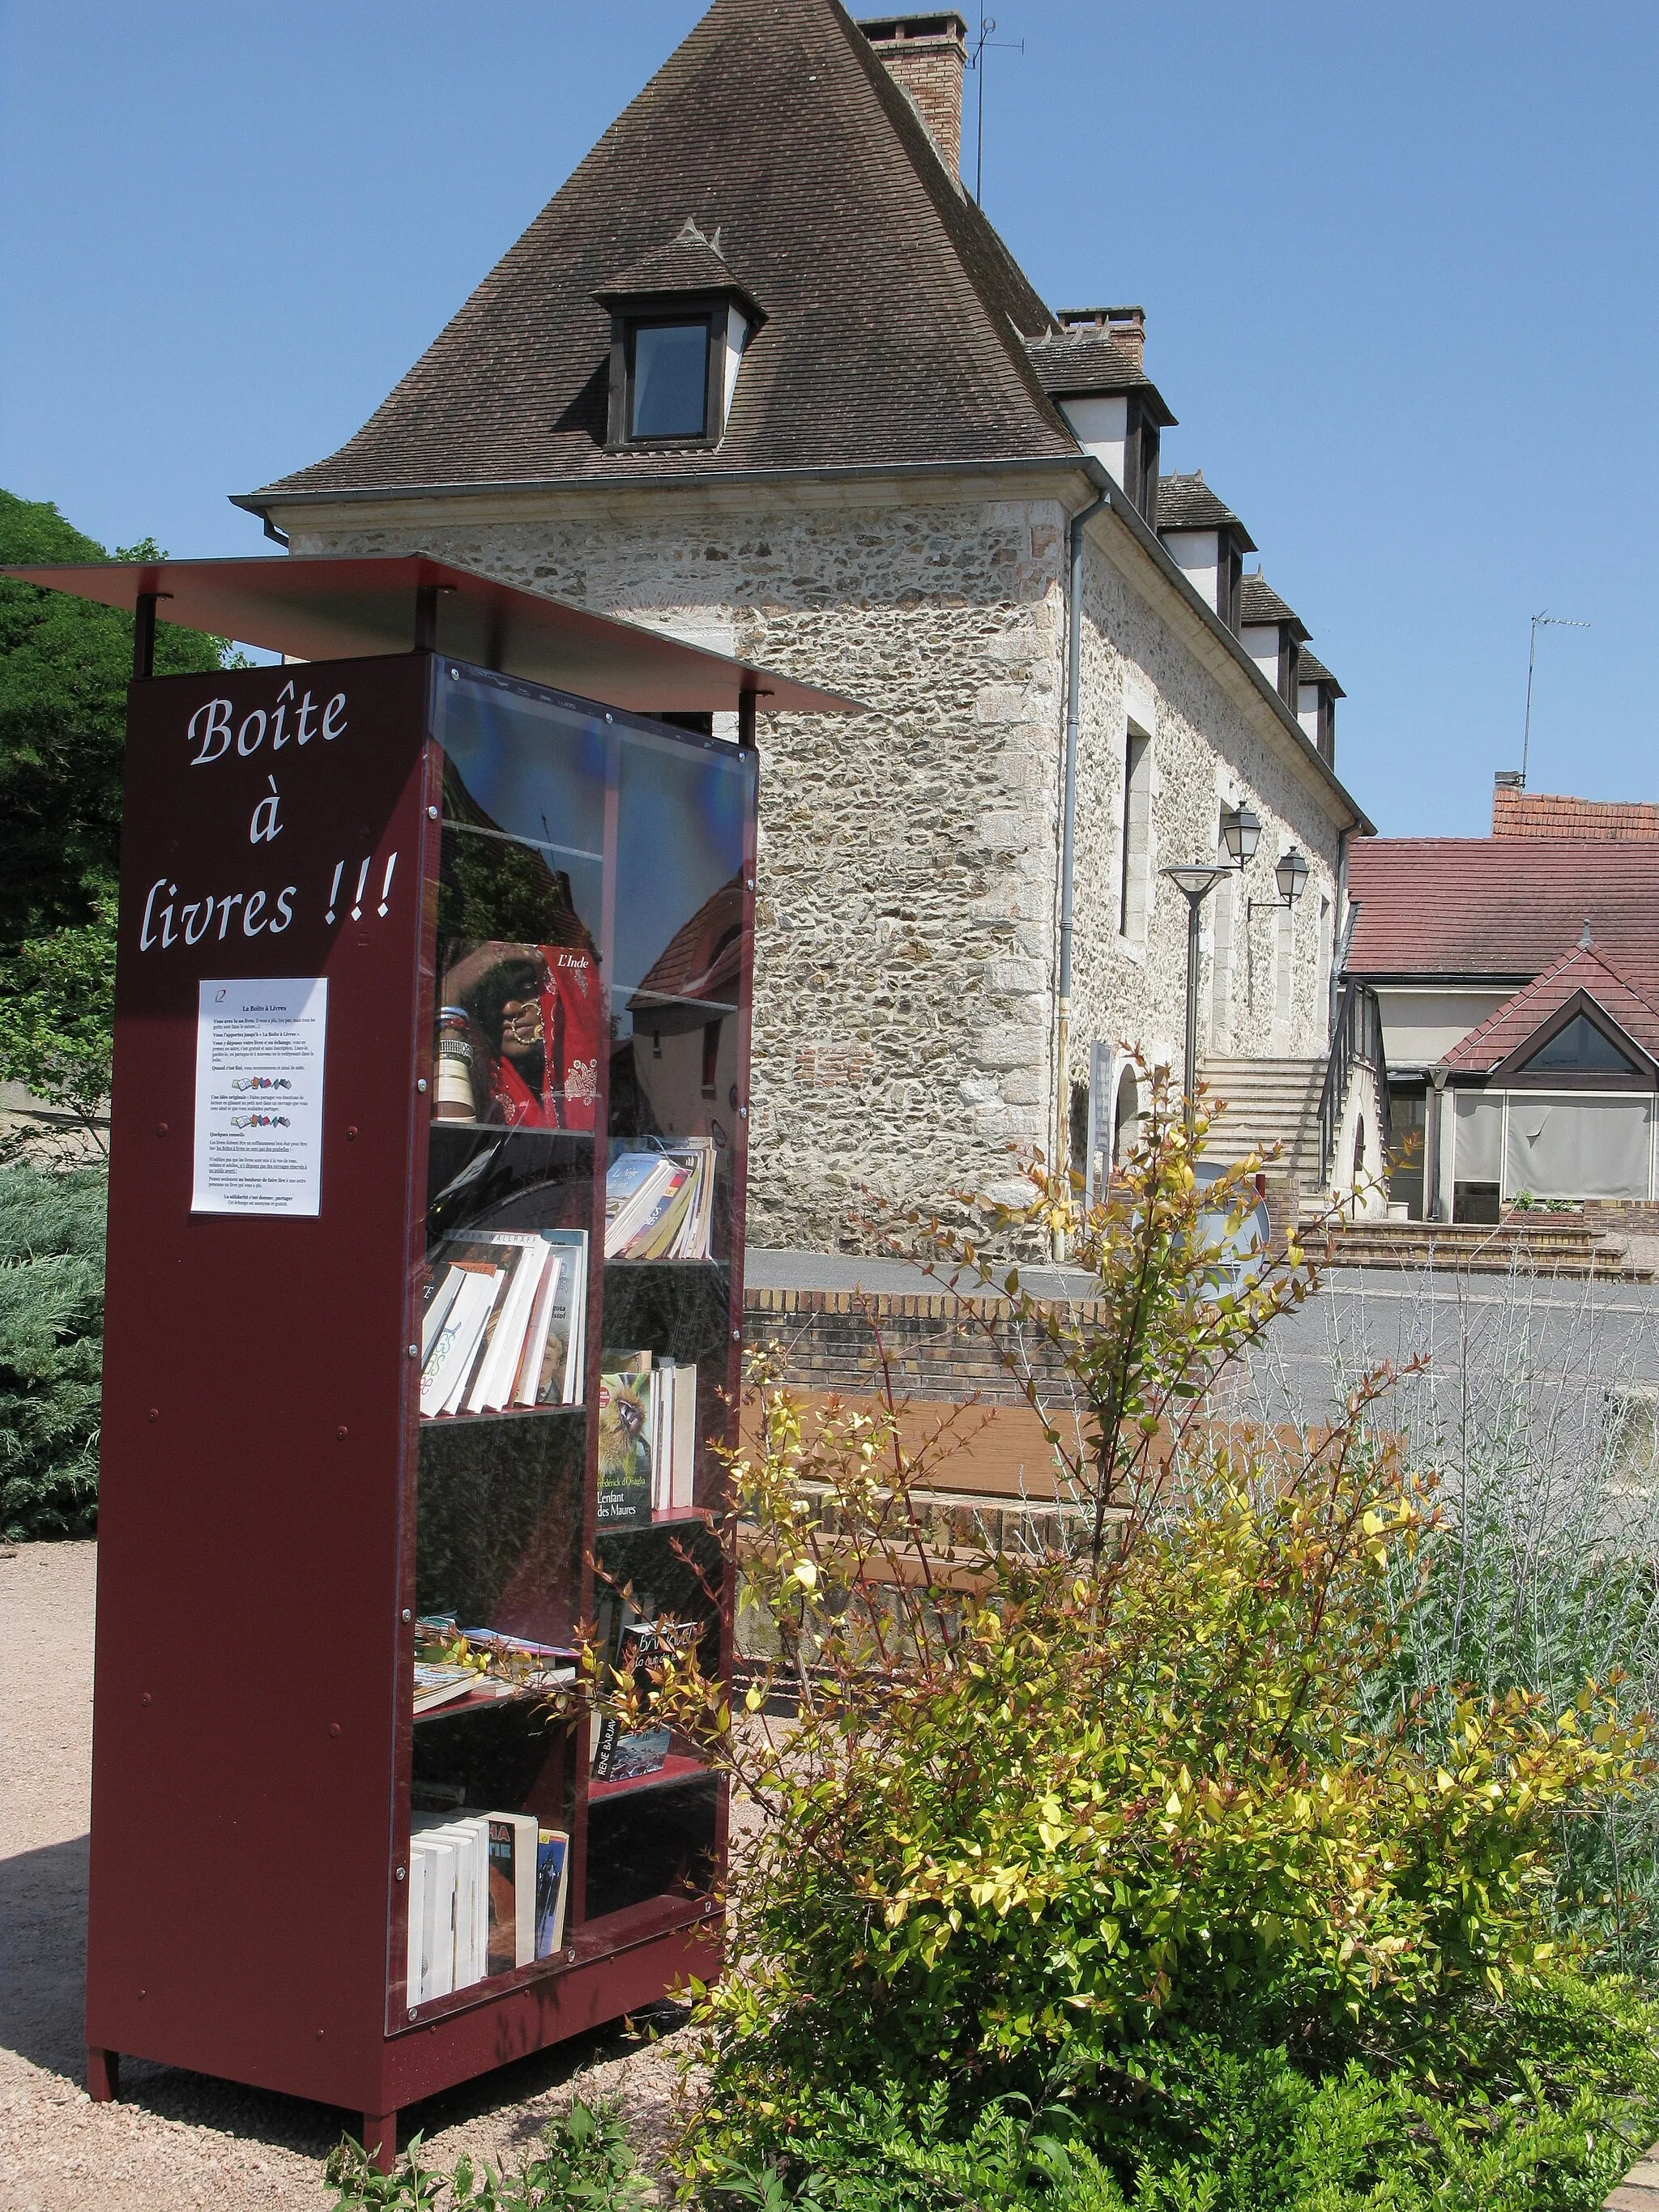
1455, 937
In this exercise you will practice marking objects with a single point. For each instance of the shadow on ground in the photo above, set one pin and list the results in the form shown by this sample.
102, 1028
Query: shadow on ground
43, 1902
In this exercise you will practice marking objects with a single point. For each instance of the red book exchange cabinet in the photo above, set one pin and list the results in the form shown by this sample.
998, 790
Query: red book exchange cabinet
424, 1297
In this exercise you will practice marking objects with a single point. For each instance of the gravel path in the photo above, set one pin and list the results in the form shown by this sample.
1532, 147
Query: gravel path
177, 2142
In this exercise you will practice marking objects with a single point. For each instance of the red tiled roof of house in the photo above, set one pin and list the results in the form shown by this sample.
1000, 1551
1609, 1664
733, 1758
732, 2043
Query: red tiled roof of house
1502, 906
1538, 814
1517, 1019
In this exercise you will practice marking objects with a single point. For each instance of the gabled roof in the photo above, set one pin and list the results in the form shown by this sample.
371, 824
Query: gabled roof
1188, 503
1076, 363
1259, 603
1502, 906
689, 263
894, 314
1519, 1018
1311, 670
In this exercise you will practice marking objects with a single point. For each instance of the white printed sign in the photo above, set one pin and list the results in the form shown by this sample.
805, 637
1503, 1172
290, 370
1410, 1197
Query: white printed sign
259, 1096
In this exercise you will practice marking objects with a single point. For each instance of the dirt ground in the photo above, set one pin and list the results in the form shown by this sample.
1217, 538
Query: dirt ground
177, 2142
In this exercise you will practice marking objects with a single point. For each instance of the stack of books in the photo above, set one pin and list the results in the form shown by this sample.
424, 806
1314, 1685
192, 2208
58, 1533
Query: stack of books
503, 1325
486, 1895
647, 1438
659, 1205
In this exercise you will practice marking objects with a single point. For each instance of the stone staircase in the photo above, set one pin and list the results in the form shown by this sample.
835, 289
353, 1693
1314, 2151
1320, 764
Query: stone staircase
1268, 1101
1561, 1245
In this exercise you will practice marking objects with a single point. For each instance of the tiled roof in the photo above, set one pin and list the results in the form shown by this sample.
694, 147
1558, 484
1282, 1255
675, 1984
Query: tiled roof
1582, 969
702, 958
1311, 670
1502, 906
894, 314
1259, 603
1188, 503
1537, 814
689, 263
1073, 363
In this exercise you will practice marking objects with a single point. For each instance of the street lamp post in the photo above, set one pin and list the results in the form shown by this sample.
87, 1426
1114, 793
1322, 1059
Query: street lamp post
1241, 833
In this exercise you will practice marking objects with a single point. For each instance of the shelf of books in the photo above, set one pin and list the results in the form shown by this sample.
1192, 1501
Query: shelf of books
578, 1331
424, 1301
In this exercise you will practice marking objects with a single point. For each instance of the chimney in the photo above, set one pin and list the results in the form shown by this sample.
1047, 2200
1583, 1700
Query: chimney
1127, 325
927, 57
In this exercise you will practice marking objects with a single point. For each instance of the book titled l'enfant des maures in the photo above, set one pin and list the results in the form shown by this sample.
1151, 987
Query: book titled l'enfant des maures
647, 1437
503, 1324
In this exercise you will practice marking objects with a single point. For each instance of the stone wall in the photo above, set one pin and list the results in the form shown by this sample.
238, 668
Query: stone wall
908, 893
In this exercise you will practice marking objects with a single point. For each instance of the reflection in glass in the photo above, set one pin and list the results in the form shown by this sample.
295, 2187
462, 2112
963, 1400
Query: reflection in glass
670, 389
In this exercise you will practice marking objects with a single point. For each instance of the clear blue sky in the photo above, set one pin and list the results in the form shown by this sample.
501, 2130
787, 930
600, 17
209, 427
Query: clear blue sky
1398, 263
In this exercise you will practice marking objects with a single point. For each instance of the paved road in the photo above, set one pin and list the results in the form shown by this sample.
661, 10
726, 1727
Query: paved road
1565, 1349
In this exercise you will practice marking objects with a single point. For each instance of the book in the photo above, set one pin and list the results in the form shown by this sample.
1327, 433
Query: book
420, 1927
682, 1463
446, 1366
497, 1371
552, 1875
512, 1867
469, 1838
659, 1205
643, 1752
564, 1356
527, 1376
631, 1183
624, 1485
438, 1685
437, 1960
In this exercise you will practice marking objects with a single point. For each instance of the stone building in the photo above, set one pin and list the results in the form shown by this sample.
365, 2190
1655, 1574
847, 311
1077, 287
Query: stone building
762, 374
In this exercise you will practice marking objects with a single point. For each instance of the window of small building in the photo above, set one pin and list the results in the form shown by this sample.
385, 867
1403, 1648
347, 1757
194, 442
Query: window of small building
668, 379
1580, 1048
1137, 833
1407, 1132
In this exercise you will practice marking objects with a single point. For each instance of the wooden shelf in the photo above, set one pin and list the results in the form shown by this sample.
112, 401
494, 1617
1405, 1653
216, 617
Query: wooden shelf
676, 1769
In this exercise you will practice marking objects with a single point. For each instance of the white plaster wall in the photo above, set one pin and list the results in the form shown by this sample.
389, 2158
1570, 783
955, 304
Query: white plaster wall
1307, 710
1261, 641
1420, 1028
1196, 553
1363, 1196
1100, 426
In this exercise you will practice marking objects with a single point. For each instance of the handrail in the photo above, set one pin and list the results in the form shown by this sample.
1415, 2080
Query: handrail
1357, 1039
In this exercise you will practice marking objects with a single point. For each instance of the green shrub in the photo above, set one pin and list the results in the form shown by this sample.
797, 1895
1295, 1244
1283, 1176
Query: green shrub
52, 1322
583, 2165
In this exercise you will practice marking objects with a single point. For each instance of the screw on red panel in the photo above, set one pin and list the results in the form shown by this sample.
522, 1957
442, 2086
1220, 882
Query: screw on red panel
351, 1131
161, 1128
340, 1434
155, 1413
144, 1699
334, 1728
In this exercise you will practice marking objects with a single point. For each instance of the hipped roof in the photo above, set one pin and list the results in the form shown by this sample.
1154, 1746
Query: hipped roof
1520, 1018
895, 316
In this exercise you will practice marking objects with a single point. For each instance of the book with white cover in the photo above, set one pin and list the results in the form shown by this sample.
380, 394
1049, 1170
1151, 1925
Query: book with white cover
492, 1281
420, 1927
443, 1296
527, 1380
683, 1451
469, 1839
498, 1369
444, 1374
564, 1359
437, 1917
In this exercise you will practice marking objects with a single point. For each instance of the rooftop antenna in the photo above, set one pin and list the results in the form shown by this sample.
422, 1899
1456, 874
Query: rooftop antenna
976, 61
1545, 620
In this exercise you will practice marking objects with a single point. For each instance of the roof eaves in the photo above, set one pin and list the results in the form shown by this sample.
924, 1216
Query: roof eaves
1151, 544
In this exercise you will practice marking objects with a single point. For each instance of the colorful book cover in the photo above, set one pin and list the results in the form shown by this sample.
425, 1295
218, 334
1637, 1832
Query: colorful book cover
552, 1856
644, 1751
624, 1494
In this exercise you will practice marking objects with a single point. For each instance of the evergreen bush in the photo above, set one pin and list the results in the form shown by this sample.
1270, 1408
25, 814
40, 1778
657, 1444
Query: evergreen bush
52, 1327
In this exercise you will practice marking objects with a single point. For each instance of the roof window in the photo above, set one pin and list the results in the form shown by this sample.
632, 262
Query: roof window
680, 323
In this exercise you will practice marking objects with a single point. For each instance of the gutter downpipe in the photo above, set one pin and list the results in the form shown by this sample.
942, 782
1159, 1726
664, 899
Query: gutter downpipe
1068, 828
1341, 930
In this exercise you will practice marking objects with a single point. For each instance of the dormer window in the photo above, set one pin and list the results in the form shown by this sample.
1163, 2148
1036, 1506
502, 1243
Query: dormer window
680, 323
1091, 367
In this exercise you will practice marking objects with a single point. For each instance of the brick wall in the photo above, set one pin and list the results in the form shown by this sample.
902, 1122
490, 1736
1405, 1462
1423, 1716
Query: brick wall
1537, 814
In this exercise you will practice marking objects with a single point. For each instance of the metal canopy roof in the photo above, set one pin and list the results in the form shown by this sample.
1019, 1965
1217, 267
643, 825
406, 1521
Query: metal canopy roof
338, 606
